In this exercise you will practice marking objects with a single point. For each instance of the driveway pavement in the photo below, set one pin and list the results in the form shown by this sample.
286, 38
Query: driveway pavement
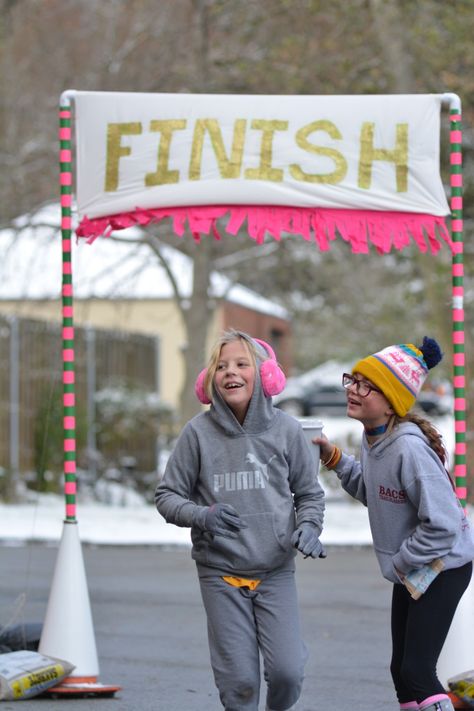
150, 628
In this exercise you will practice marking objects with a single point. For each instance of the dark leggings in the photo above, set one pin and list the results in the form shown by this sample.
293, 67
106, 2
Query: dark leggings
419, 630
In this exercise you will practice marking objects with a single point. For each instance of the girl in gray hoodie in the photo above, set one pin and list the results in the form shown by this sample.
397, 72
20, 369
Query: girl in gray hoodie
243, 478
418, 525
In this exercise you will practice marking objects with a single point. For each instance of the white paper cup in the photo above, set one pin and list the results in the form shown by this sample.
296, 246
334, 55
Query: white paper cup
312, 428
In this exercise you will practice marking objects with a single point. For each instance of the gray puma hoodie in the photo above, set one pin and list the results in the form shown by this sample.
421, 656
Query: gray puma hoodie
264, 468
414, 513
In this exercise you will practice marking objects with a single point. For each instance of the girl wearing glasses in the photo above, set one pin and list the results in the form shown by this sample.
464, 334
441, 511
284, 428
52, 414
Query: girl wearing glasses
417, 524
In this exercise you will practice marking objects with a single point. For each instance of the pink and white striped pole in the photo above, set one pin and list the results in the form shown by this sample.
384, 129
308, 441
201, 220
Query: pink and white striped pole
459, 382
69, 401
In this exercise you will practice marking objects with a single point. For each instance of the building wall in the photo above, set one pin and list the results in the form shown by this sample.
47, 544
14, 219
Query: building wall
161, 318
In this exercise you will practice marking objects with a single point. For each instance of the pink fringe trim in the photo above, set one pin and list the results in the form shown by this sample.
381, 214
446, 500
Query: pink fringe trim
360, 228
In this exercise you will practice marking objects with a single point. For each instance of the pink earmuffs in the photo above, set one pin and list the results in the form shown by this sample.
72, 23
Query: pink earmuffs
271, 375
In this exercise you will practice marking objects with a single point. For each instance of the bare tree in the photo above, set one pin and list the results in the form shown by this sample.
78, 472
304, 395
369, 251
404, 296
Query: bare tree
196, 314
236, 46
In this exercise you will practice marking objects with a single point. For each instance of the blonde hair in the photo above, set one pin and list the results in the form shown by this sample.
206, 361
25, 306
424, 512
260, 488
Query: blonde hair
229, 336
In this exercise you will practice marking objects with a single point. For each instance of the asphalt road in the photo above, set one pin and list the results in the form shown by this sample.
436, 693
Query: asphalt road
150, 628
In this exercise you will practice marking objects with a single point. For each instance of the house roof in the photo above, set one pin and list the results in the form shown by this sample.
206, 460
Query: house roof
31, 258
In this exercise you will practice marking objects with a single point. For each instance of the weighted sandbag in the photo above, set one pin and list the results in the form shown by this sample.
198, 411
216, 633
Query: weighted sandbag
24, 674
463, 686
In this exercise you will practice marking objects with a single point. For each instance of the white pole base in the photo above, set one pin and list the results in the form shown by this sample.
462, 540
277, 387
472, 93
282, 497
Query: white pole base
68, 631
457, 655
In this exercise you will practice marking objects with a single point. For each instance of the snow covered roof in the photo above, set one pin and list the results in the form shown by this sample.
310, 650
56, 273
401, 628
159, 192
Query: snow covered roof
30, 267
327, 374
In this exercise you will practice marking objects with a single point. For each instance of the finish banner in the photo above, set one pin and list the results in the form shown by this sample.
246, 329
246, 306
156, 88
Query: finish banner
139, 151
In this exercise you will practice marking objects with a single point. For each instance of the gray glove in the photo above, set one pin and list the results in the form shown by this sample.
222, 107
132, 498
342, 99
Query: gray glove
219, 519
306, 540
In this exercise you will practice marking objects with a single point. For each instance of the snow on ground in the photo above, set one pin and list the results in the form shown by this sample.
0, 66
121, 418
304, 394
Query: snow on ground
128, 520
346, 523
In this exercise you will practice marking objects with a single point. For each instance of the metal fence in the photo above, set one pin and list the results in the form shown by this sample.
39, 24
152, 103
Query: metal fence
31, 394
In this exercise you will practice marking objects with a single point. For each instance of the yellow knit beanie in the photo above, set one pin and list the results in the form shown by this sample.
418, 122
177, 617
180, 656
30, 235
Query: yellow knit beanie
399, 371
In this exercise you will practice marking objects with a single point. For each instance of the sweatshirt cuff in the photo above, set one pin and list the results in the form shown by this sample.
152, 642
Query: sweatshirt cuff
399, 563
186, 514
345, 458
198, 517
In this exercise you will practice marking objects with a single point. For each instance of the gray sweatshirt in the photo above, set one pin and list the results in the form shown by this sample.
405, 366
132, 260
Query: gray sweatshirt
264, 468
414, 513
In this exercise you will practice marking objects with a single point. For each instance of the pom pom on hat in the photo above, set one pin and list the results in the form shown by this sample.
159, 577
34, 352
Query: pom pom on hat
431, 352
399, 371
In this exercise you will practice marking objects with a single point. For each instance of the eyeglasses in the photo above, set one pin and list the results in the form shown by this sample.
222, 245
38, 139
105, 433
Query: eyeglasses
363, 388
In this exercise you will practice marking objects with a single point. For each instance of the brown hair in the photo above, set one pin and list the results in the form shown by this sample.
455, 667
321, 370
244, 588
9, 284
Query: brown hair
434, 437
227, 337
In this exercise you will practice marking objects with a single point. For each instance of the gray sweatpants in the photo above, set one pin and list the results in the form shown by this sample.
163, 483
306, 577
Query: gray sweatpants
240, 624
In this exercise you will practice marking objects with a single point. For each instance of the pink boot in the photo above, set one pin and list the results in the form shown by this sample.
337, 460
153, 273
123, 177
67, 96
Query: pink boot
440, 702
